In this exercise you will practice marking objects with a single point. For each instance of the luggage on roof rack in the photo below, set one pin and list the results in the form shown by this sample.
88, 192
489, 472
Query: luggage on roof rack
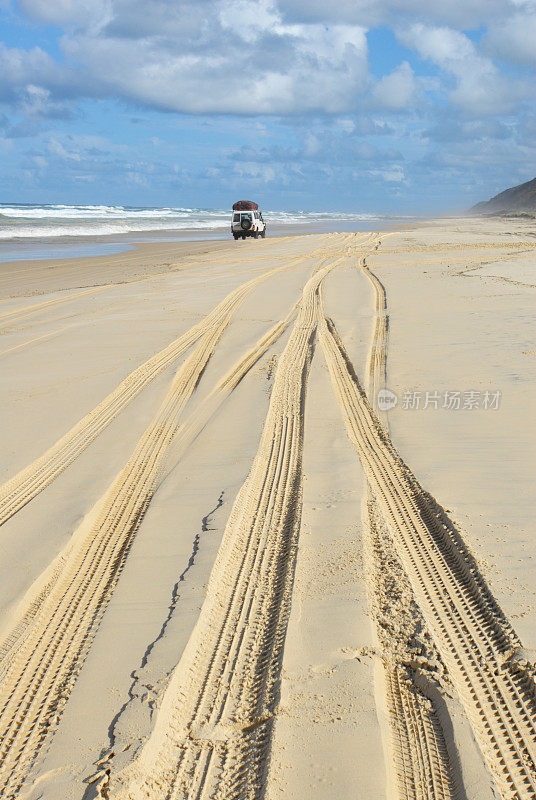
245, 205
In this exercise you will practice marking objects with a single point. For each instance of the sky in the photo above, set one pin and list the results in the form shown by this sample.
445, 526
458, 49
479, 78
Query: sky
374, 106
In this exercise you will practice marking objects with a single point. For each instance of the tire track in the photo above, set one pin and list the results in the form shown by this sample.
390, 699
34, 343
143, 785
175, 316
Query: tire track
185, 435
481, 652
377, 363
86, 320
416, 748
42, 663
45, 651
188, 432
421, 759
213, 730
23, 487
44, 337
417, 753
17, 314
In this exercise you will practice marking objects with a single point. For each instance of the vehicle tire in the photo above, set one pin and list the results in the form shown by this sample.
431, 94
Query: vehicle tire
263, 234
245, 224
244, 236
256, 235
235, 236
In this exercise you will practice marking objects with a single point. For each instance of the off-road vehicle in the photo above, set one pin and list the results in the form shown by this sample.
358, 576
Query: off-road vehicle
247, 220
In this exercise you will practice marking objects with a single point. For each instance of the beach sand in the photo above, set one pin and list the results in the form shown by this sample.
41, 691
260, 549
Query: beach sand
224, 572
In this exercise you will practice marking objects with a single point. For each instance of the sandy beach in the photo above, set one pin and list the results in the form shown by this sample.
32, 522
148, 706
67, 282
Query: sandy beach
266, 518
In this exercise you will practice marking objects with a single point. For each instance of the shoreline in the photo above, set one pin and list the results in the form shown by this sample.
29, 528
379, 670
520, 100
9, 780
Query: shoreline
139, 260
54, 248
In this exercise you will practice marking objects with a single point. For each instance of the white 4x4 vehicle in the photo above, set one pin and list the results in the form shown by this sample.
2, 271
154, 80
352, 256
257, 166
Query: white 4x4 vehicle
247, 221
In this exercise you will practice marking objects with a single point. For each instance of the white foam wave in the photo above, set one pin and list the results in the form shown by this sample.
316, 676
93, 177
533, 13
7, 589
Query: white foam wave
89, 212
51, 221
53, 231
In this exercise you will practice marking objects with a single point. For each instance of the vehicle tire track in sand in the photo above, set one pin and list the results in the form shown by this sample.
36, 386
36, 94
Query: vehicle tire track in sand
421, 760
44, 337
417, 757
17, 314
188, 432
24, 486
185, 435
212, 733
85, 321
417, 750
481, 652
377, 363
44, 653
42, 663
31, 480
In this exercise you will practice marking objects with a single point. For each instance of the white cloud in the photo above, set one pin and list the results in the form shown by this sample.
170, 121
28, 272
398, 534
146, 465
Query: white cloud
58, 149
21, 67
268, 57
394, 174
345, 125
85, 148
479, 89
93, 14
458, 13
397, 90
514, 39
223, 65
207, 56
40, 162
268, 174
35, 102
311, 145
249, 19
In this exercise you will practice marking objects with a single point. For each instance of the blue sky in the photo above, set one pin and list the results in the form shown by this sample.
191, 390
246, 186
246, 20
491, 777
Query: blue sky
388, 106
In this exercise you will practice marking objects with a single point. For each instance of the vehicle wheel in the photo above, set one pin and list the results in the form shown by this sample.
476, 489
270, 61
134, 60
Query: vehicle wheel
244, 236
245, 224
256, 235
263, 234
235, 236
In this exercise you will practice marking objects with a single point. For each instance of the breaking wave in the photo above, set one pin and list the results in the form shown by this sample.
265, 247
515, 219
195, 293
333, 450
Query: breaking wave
26, 221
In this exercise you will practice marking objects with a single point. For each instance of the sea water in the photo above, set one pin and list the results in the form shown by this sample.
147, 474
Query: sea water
31, 231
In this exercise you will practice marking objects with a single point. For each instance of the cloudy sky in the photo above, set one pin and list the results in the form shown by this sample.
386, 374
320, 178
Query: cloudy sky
369, 105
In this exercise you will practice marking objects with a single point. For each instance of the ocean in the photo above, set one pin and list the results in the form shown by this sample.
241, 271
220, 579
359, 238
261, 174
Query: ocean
50, 231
